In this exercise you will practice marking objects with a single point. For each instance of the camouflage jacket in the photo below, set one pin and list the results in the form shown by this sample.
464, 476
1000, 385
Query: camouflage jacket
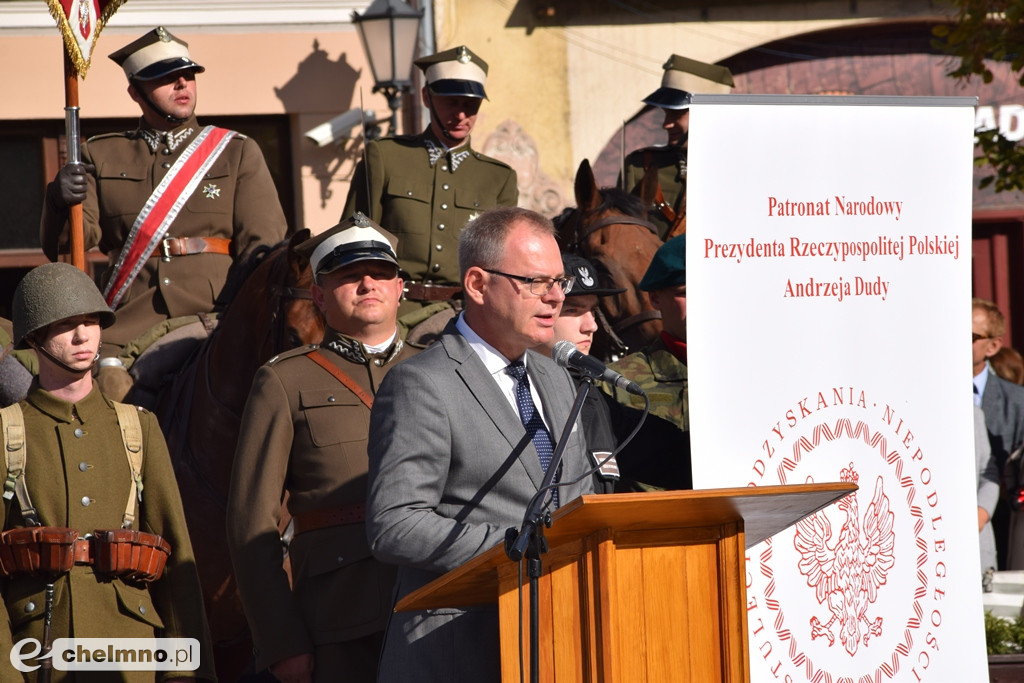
663, 377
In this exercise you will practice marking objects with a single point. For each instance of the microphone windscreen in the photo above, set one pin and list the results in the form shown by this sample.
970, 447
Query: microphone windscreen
563, 349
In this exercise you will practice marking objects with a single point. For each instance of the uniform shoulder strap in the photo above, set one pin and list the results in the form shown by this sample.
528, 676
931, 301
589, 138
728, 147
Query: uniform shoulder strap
12, 421
131, 435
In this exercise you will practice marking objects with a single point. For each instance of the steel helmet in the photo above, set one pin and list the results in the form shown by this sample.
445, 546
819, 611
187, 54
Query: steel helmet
53, 292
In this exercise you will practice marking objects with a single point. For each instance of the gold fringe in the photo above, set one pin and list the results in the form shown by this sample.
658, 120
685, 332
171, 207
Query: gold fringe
71, 46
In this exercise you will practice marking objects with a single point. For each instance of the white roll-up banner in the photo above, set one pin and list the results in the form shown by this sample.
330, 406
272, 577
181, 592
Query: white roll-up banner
828, 307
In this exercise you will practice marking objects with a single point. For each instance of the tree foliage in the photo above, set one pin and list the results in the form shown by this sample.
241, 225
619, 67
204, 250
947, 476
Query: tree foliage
986, 31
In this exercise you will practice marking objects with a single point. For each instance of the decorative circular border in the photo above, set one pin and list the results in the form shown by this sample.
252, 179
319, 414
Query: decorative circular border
845, 429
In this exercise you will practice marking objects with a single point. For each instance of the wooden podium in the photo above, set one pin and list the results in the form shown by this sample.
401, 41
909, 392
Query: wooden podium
637, 586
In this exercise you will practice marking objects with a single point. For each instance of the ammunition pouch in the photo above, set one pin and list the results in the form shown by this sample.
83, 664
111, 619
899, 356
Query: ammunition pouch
134, 556
129, 554
37, 550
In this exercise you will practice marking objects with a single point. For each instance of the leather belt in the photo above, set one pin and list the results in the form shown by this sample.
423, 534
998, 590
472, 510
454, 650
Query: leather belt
322, 519
83, 551
185, 246
428, 291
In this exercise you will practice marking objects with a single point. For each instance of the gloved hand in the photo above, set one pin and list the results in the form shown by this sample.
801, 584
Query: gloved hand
72, 183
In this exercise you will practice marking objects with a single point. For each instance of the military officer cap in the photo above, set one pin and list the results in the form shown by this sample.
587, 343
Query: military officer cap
54, 292
668, 267
354, 239
154, 55
455, 72
585, 275
672, 94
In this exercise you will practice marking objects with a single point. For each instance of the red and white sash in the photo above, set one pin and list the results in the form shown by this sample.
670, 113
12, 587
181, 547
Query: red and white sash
163, 206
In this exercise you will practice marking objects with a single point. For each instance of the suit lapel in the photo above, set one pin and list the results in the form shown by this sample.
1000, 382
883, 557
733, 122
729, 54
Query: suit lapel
492, 401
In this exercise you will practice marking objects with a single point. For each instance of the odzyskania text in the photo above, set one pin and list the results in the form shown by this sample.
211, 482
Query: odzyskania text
109, 654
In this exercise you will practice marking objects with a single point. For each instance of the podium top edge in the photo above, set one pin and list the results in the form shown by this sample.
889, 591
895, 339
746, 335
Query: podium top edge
838, 100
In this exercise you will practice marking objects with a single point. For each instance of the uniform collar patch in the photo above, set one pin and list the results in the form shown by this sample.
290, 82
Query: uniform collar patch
353, 350
436, 151
173, 139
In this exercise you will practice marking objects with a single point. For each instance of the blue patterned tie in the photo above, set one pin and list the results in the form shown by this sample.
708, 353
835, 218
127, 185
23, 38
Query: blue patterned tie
532, 421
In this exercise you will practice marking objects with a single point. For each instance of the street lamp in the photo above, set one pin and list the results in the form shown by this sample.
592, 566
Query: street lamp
389, 31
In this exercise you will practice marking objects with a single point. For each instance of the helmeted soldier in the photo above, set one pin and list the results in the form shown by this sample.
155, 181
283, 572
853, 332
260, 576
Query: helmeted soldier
426, 187
669, 161
659, 455
304, 431
172, 204
88, 481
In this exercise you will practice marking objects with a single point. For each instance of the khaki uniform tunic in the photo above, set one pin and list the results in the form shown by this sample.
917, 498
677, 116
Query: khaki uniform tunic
236, 200
671, 164
78, 476
425, 195
305, 433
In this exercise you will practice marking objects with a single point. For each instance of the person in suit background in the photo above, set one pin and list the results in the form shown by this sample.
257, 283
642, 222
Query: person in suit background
460, 437
988, 494
1003, 405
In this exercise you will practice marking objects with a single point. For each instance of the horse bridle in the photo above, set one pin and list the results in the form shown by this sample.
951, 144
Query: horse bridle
639, 318
280, 294
615, 219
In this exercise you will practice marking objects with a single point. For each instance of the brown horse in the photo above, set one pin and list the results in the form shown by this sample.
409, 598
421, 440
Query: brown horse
610, 228
201, 415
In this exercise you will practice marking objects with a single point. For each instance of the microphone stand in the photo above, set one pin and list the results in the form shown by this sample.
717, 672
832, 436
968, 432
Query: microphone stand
529, 541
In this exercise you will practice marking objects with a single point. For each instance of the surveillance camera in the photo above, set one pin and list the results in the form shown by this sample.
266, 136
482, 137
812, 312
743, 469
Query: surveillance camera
338, 128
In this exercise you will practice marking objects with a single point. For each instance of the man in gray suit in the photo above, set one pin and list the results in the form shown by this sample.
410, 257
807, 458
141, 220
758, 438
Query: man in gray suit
452, 464
1003, 405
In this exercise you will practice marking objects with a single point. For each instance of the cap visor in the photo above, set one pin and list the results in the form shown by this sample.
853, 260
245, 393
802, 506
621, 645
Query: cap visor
333, 263
668, 98
168, 66
457, 88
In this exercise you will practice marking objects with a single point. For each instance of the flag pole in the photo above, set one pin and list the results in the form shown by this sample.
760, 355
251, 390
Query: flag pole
74, 151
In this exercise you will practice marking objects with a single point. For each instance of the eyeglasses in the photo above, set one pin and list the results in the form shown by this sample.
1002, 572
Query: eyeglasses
975, 337
539, 286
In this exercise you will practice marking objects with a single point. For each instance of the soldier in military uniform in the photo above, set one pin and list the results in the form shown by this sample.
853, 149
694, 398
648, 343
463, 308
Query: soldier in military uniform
426, 187
304, 432
77, 473
659, 455
183, 257
669, 208
670, 159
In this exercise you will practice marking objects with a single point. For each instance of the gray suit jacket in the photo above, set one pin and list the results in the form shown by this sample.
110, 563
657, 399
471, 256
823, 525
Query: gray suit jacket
1003, 405
988, 488
451, 467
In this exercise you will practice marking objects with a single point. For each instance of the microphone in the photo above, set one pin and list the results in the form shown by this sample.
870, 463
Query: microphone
567, 355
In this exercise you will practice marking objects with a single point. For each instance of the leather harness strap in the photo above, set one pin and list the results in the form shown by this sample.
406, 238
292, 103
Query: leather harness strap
12, 422
426, 291
339, 375
354, 513
344, 514
659, 196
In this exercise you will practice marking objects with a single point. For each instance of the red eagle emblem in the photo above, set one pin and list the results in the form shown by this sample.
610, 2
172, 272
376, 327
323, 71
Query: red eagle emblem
846, 573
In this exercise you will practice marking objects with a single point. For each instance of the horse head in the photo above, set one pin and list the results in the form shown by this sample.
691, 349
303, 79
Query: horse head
610, 228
